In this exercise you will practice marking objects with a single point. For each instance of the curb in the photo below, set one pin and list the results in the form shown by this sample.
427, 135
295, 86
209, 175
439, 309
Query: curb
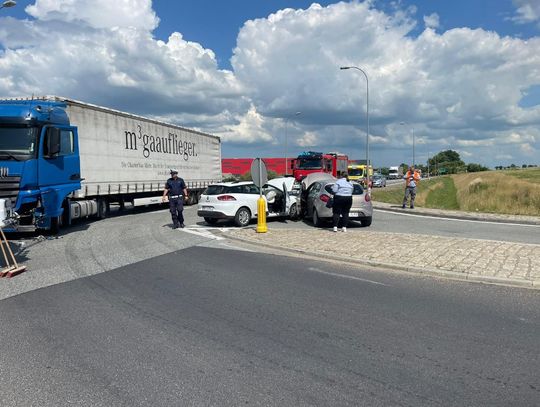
464, 216
451, 275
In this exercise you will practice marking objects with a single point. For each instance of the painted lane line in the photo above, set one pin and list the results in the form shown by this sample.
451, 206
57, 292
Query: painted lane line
365, 280
201, 233
454, 219
235, 248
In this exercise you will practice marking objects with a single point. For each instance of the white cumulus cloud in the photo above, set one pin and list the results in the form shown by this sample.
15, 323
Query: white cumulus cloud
459, 88
527, 11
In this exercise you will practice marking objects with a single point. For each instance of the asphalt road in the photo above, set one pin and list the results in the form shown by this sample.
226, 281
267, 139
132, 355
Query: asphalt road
92, 247
408, 222
213, 327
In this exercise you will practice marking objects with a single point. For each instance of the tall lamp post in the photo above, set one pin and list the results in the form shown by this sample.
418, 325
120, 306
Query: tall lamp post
413, 153
287, 142
367, 121
8, 3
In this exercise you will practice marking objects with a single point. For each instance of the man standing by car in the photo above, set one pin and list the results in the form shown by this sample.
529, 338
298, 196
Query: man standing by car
175, 187
412, 177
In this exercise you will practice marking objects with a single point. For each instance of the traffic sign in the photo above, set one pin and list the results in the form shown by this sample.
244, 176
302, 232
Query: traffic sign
259, 175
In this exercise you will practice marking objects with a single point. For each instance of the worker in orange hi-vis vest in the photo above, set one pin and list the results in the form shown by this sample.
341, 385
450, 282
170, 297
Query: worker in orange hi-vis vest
412, 177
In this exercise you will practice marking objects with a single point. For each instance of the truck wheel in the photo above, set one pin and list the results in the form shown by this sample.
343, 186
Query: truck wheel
242, 217
366, 221
56, 223
103, 208
317, 222
210, 221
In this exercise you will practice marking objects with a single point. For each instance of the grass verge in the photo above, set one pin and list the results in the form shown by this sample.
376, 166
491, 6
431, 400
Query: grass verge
513, 192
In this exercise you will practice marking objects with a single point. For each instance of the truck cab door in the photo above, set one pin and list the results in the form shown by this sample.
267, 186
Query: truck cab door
59, 170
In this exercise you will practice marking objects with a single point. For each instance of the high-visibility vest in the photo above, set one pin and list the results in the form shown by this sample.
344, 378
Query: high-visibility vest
416, 177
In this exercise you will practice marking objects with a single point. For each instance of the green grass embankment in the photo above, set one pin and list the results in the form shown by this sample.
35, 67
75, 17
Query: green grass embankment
515, 192
434, 193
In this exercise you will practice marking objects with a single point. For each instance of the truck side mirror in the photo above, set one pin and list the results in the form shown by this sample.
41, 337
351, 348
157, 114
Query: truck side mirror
52, 142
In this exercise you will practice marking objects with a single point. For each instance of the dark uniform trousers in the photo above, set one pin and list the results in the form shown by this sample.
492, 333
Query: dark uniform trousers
176, 201
176, 206
341, 207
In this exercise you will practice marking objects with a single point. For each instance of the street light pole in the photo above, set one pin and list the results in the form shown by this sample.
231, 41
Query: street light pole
287, 143
413, 144
8, 3
367, 121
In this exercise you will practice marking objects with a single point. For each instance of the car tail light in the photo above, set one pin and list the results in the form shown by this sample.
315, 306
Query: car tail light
368, 197
324, 198
226, 198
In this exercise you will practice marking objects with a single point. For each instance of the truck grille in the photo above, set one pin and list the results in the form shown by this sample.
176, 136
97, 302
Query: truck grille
9, 188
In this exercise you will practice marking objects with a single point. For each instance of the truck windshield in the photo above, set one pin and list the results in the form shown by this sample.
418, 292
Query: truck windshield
356, 172
306, 164
18, 142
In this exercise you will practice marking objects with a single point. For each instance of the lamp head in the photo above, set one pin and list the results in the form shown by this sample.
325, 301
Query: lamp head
9, 3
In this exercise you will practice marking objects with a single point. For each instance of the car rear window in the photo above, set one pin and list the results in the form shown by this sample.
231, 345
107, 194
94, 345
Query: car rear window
358, 190
232, 189
215, 190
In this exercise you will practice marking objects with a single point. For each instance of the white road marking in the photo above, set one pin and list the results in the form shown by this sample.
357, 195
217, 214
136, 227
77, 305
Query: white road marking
345, 276
202, 233
235, 247
221, 229
456, 220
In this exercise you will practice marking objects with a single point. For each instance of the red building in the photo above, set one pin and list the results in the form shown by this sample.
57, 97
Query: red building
239, 166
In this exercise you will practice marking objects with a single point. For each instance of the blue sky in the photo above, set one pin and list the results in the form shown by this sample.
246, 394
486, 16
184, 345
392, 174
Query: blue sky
462, 74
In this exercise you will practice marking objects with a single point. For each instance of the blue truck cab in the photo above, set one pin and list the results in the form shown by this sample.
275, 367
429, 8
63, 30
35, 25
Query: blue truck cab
39, 163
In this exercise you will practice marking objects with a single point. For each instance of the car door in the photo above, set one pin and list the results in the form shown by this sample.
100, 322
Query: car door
312, 195
251, 194
277, 205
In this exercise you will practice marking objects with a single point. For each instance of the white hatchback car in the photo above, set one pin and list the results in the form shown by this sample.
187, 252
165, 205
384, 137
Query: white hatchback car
238, 201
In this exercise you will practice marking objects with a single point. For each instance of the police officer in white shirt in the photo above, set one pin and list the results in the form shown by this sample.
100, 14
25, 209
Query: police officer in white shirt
343, 190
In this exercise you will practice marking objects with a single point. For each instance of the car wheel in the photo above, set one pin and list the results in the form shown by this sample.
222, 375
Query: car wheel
293, 212
316, 220
366, 221
242, 217
210, 221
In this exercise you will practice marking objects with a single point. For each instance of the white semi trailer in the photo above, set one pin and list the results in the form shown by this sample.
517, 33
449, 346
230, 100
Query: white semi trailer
62, 159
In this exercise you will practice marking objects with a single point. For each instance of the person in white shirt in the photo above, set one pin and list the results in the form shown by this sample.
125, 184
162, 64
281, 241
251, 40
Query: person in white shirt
343, 190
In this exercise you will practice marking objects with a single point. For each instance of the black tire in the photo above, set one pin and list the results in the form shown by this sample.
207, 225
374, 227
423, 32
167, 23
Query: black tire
103, 208
317, 222
56, 224
210, 221
366, 221
293, 212
242, 217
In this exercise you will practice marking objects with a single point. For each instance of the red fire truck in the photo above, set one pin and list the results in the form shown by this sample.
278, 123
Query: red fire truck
311, 161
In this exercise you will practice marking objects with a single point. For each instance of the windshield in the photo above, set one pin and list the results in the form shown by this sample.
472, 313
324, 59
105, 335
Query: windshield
308, 164
18, 141
355, 172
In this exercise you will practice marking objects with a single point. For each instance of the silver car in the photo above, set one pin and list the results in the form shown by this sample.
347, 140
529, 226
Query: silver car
320, 192
379, 181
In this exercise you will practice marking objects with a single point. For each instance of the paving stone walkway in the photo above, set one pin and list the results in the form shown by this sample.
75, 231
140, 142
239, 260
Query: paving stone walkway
470, 259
